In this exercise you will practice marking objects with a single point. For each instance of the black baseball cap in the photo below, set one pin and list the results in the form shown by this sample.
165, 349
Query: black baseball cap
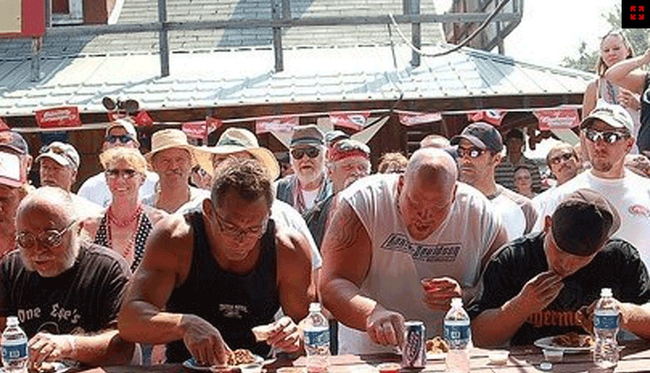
482, 135
583, 222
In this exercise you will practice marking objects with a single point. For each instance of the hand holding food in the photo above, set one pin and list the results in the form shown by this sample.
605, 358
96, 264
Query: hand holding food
439, 291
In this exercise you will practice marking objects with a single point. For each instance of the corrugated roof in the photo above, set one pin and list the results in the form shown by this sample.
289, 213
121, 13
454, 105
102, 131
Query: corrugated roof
247, 78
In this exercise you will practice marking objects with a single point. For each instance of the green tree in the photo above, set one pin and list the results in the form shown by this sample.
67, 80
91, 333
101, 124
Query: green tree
586, 59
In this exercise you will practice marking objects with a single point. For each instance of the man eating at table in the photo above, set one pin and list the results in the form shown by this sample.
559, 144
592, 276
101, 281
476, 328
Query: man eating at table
536, 286
209, 277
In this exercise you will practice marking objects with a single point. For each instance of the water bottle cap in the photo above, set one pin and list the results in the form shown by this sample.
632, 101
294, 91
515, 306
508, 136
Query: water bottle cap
456, 302
12, 321
314, 307
606, 292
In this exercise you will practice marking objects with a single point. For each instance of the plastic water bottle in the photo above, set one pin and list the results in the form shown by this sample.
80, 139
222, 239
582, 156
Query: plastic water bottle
606, 325
317, 340
14, 347
458, 335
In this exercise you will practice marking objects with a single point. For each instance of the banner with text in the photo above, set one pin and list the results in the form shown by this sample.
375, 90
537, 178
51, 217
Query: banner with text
550, 119
354, 121
279, 124
411, 118
58, 117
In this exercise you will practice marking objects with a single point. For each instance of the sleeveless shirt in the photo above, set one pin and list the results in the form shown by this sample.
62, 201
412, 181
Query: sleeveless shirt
232, 303
141, 234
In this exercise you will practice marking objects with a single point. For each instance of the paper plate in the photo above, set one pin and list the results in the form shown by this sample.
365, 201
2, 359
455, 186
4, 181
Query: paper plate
547, 342
191, 364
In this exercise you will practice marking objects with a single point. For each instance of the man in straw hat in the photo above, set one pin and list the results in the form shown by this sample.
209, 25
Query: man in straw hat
121, 132
172, 158
209, 277
241, 143
535, 286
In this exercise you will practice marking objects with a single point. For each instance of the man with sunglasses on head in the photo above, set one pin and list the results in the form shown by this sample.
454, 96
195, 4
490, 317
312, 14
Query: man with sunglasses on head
65, 292
606, 136
210, 276
479, 149
308, 185
120, 132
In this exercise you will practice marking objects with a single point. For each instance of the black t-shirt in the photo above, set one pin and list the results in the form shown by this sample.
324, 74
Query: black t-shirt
617, 266
84, 299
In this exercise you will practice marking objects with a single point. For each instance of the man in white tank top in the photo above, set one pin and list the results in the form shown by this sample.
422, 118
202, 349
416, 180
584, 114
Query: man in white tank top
392, 231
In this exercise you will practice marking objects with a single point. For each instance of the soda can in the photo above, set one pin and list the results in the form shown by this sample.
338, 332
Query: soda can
413, 353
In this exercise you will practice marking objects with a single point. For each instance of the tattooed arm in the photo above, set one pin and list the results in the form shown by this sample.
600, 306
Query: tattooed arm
347, 252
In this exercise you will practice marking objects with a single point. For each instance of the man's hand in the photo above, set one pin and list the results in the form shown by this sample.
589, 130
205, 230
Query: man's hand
204, 341
540, 291
285, 335
49, 347
385, 327
439, 291
628, 99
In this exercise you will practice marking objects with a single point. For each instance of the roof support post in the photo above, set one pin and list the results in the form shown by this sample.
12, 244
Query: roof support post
163, 45
278, 11
412, 8
37, 43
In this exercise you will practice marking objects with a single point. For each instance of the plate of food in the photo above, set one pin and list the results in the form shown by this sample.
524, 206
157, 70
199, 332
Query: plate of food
570, 343
49, 367
436, 349
237, 360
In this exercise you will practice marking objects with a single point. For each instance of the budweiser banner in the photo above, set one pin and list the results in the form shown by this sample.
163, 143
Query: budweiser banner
355, 121
58, 117
494, 117
410, 118
201, 129
143, 119
277, 124
550, 119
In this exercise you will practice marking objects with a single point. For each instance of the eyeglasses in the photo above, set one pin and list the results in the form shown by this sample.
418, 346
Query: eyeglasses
121, 138
125, 173
301, 152
49, 239
232, 230
609, 137
557, 159
472, 152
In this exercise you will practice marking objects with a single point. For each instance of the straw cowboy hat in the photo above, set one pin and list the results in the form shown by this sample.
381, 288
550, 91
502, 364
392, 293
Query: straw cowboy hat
236, 140
170, 139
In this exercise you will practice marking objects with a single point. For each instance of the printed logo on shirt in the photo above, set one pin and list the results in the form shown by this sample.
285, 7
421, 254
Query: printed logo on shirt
233, 311
553, 318
639, 210
423, 253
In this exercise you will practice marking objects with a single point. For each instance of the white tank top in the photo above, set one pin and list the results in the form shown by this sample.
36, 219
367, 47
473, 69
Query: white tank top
399, 262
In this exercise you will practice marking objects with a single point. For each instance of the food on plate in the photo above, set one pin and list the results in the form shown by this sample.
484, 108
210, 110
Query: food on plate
240, 356
262, 332
43, 367
573, 339
437, 345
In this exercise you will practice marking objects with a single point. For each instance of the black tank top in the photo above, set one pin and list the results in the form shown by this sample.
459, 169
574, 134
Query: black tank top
232, 303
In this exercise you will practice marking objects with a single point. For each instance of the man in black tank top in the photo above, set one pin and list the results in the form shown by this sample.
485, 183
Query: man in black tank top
220, 272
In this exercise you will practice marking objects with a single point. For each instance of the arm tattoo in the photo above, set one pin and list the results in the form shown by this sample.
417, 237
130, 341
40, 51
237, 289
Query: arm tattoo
344, 230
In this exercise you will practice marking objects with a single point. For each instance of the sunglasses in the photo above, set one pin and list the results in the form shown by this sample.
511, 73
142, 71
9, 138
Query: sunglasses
472, 152
310, 152
125, 173
557, 159
49, 239
609, 137
121, 138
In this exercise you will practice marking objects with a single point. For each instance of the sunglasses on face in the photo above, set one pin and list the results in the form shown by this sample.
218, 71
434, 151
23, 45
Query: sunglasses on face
557, 159
609, 137
126, 173
121, 138
471, 152
49, 239
310, 152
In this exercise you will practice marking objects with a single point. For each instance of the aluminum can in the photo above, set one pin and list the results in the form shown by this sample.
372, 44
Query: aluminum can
413, 353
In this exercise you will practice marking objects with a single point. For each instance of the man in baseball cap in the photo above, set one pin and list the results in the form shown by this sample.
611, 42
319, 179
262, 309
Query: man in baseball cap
535, 286
479, 153
59, 163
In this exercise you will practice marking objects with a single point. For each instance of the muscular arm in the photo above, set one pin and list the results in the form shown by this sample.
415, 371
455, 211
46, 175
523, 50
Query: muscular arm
105, 348
295, 280
636, 319
347, 252
626, 75
494, 327
166, 261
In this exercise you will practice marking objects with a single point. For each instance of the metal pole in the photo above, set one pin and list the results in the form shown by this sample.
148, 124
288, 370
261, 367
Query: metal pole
277, 36
37, 42
416, 34
162, 38
286, 9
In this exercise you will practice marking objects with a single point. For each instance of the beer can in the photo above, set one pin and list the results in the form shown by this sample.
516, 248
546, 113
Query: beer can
413, 353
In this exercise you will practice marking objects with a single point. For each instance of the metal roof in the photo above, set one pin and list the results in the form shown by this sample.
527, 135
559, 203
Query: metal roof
246, 77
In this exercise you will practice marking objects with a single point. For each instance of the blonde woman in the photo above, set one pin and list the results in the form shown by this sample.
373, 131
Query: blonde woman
126, 223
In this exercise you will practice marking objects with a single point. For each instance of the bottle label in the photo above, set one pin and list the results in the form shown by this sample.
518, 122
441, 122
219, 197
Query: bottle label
606, 321
317, 337
457, 332
14, 351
